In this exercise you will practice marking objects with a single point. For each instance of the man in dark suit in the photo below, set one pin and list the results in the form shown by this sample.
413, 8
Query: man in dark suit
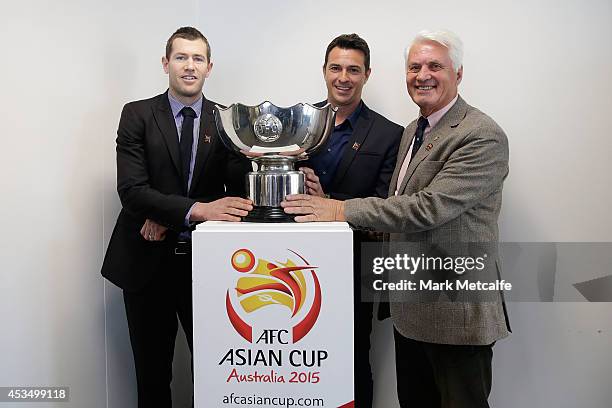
446, 190
357, 161
172, 171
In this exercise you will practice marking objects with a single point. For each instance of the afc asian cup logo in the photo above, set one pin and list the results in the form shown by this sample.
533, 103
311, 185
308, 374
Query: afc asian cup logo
267, 284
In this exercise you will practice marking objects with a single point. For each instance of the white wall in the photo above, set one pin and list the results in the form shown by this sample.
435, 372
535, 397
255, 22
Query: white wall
540, 68
67, 69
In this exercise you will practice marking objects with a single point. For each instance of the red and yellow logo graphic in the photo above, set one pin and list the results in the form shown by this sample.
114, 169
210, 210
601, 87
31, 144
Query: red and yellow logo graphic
273, 283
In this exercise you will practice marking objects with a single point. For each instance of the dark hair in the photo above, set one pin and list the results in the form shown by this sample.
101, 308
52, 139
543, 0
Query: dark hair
350, 42
187, 33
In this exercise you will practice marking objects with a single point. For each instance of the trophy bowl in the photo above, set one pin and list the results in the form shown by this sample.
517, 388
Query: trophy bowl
274, 138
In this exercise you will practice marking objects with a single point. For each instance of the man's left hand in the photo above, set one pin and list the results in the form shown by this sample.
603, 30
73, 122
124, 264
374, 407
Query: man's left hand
152, 231
312, 208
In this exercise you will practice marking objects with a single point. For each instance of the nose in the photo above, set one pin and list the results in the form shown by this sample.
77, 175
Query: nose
423, 74
344, 75
189, 64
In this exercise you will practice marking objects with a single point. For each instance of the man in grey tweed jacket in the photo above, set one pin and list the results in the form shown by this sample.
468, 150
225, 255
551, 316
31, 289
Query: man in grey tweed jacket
447, 187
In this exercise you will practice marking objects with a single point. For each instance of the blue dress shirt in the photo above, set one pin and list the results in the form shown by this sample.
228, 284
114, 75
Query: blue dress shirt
326, 161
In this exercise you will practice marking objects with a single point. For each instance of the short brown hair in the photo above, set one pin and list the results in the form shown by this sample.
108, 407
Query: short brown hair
350, 42
187, 33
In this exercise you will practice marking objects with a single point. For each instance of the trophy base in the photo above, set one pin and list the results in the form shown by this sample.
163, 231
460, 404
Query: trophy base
268, 214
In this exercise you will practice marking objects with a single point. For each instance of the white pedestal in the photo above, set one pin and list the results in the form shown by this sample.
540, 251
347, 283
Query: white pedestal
273, 315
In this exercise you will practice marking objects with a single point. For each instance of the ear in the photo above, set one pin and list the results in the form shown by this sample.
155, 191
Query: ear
164, 62
209, 69
459, 75
367, 74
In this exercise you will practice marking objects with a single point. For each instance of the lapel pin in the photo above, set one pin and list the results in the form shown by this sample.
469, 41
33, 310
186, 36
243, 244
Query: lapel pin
356, 146
429, 146
206, 139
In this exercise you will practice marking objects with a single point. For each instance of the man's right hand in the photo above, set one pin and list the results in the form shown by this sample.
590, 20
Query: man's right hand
223, 209
313, 185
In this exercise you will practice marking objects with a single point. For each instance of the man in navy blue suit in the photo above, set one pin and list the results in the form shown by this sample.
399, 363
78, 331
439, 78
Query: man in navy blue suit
357, 161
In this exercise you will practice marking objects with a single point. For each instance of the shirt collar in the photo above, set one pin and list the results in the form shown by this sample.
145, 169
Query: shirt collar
435, 117
177, 105
355, 115
352, 119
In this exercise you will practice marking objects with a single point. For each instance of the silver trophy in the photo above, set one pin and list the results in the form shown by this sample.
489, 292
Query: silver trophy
274, 138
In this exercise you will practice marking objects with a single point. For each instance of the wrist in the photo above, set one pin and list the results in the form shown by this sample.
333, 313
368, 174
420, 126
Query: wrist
339, 211
199, 212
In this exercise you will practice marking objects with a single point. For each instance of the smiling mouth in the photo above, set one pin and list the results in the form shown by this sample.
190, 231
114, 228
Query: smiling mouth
343, 88
425, 88
189, 77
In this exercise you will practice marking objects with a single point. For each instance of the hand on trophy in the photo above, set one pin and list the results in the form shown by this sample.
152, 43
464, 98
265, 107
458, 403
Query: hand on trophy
312, 208
152, 231
223, 209
313, 185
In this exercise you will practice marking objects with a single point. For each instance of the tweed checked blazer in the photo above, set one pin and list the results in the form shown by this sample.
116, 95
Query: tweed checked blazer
451, 192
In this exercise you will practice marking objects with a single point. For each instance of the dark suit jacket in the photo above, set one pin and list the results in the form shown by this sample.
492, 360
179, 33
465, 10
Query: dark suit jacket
149, 184
368, 160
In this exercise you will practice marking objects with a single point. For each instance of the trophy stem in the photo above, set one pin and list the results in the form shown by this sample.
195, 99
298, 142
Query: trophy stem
269, 186
274, 163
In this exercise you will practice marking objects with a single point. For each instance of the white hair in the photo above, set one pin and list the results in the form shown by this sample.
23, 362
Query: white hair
444, 37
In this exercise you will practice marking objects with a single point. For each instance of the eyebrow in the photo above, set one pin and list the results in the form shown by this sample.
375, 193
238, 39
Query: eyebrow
185, 54
427, 62
333, 64
412, 64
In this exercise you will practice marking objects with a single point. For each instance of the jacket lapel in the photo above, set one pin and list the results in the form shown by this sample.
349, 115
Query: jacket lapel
407, 137
444, 127
418, 158
360, 133
167, 126
205, 140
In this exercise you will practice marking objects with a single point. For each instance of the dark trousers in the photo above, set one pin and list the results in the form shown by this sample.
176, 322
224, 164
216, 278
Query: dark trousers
363, 311
153, 314
442, 375
363, 370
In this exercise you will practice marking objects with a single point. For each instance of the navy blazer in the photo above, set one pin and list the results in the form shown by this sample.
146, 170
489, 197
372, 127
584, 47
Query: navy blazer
368, 159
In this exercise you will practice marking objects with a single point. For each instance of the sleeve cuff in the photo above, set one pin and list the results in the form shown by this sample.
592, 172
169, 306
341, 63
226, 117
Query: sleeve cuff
188, 216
